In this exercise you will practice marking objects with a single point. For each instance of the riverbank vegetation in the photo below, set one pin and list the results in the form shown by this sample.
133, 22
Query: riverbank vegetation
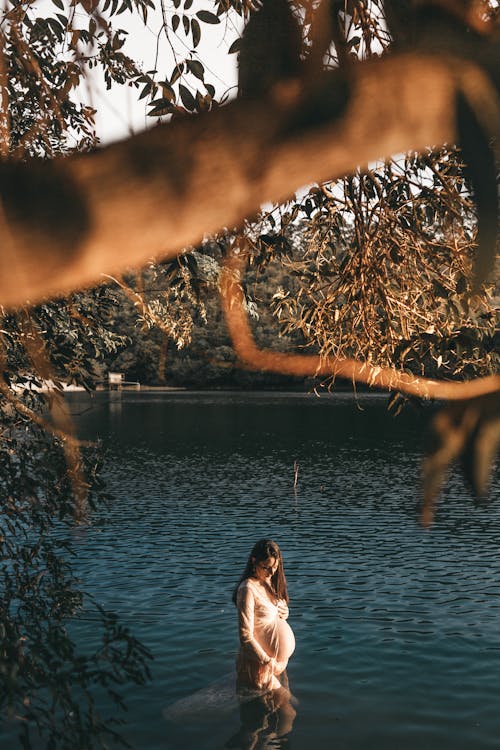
383, 277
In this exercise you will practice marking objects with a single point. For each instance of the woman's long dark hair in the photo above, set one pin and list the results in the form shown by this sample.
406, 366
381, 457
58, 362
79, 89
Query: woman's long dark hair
263, 550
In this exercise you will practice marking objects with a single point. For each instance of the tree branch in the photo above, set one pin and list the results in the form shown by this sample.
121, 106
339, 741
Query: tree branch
63, 223
302, 365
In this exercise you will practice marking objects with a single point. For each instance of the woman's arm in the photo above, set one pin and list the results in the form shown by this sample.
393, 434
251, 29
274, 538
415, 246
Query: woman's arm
246, 606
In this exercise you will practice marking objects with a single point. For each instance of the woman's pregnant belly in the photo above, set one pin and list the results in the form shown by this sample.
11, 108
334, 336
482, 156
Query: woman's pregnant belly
277, 639
285, 640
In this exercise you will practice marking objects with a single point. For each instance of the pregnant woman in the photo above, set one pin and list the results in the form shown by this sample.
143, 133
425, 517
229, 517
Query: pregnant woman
266, 639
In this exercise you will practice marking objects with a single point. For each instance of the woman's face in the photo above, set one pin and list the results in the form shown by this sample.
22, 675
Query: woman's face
265, 569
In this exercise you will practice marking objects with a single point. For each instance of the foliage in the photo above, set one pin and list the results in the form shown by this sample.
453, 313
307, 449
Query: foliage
63, 340
176, 333
45, 60
48, 55
47, 682
383, 271
380, 264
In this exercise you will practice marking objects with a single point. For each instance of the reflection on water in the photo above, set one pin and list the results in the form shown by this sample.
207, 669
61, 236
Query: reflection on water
266, 722
266, 717
397, 628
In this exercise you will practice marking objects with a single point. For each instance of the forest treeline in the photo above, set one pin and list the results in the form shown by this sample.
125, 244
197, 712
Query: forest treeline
204, 358
170, 330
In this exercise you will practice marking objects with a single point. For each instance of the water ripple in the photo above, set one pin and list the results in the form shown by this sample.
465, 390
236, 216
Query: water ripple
397, 628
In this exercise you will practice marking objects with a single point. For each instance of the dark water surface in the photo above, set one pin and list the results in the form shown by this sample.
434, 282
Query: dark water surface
397, 628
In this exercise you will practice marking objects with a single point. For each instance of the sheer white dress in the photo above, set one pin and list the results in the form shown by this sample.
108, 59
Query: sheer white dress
266, 638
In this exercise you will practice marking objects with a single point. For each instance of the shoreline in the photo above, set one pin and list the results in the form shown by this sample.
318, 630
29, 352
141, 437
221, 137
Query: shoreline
246, 393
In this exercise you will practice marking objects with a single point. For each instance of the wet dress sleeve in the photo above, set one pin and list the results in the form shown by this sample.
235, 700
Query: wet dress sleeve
246, 612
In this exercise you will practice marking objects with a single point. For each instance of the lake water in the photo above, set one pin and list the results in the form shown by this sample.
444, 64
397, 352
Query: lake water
397, 628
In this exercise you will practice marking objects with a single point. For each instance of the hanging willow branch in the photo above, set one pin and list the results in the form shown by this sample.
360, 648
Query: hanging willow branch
387, 378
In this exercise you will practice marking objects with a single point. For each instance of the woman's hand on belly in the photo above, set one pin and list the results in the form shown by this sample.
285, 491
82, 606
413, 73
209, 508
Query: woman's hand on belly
282, 609
279, 666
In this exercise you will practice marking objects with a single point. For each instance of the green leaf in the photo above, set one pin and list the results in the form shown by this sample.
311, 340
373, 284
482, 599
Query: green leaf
168, 90
56, 27
196, 32
59, 4
207, 17
175, 22
185, 22
235, 47
160, 107
178, 71
187, 98
196, 68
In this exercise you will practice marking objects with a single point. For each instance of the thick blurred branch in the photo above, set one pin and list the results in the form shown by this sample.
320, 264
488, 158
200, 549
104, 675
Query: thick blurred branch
64, 223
